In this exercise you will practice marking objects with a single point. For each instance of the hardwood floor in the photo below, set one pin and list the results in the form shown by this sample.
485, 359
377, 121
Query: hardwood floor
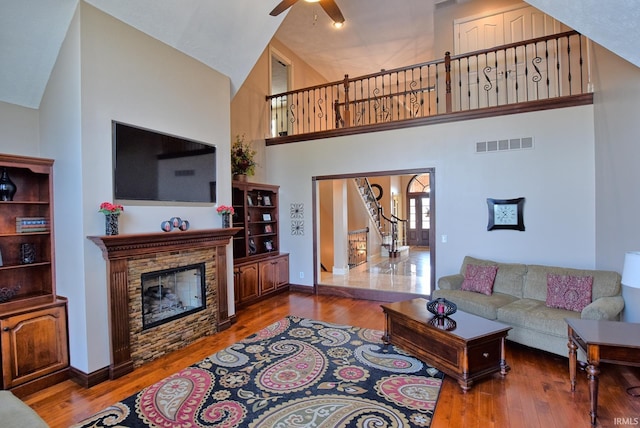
535, 393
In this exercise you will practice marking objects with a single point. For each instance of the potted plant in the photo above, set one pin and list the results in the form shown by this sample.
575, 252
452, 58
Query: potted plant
242, 162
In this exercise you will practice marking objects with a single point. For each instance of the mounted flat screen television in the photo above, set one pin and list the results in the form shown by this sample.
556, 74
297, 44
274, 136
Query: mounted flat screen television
152, 166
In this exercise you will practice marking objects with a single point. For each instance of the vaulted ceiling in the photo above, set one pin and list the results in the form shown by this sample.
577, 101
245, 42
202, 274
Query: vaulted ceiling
229, 36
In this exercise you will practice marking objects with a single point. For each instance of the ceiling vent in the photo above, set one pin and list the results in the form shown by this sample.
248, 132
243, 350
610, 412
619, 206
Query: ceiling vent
504, 145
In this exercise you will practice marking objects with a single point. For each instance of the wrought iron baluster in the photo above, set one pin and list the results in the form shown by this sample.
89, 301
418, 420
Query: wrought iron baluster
546, 56
568, 64
580, 63
537, 76
526, 73
292, 116
469, 85
506, 76
515, 67
495, 56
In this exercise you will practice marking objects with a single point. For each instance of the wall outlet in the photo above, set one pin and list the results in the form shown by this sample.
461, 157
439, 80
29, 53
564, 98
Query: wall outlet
444, 239
301, 275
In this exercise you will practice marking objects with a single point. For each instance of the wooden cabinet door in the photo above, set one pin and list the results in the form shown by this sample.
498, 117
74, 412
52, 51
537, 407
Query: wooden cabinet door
247, 282
282, 269
268, 278
34, 344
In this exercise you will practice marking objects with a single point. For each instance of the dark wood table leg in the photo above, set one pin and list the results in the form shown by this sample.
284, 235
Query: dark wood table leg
386, 338
592, 374
504, 367
573, 355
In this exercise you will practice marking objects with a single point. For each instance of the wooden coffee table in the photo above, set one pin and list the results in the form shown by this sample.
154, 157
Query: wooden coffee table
472, 350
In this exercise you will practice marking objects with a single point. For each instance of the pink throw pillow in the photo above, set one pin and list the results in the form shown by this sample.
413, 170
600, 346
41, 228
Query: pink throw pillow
568, 292
480, 279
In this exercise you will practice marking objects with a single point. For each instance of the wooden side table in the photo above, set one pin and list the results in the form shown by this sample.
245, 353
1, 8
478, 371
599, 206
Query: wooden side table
475, 348
602, 341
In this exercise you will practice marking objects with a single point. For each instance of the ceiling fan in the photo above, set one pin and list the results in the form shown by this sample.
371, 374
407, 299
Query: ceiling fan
329, 6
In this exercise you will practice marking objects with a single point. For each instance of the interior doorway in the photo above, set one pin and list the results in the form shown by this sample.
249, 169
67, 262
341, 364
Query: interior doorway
280, 81
383, 277
419, 210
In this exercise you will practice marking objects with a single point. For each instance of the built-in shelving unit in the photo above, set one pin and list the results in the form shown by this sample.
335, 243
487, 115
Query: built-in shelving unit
31, 314
259, 267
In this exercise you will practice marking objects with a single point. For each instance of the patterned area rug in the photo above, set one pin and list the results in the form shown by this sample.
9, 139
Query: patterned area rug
294, 373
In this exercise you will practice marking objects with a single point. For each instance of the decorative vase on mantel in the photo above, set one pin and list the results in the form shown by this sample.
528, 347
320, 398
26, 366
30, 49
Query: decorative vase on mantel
226, 220
111, 224
240, 177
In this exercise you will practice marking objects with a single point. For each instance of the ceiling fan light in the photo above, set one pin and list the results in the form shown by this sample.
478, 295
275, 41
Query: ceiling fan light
338, 24
312, 1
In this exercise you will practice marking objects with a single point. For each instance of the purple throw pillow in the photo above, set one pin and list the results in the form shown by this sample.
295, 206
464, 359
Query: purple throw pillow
480, 279
568, 292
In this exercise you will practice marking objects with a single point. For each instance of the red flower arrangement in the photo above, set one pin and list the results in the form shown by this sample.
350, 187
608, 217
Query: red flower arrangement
109, 208
225, 209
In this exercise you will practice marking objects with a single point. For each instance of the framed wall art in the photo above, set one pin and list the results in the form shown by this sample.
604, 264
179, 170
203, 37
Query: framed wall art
505, 214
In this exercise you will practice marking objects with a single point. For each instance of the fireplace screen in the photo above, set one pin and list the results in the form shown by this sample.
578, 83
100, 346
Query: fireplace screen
172, 293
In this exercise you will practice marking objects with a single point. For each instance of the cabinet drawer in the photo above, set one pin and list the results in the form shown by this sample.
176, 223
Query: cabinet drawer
484, 356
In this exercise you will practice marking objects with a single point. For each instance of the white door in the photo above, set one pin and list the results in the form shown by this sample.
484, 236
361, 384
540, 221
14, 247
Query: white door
475, 85
540, 62
514, 75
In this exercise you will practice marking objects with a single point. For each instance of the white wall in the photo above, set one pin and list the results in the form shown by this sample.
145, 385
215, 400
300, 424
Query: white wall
617, 131
60, 116
556, 178
19, 130
109, 71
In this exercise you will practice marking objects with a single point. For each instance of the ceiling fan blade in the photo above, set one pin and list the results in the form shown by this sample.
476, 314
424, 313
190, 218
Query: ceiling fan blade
284, 5
332, 10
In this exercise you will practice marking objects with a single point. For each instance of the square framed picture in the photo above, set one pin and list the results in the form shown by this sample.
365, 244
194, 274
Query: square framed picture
266, 217
505, 214
266, 200
268, 228
268, 245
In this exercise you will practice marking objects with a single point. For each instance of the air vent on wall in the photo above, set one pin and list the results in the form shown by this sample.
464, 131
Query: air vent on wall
503, 145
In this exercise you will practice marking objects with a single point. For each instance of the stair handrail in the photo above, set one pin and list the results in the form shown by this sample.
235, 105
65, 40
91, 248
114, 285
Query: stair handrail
404, 222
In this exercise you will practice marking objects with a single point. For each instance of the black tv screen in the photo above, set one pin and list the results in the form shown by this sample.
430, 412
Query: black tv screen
152, 166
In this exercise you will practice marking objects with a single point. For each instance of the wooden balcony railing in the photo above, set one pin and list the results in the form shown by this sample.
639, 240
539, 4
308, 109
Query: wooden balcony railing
539, 69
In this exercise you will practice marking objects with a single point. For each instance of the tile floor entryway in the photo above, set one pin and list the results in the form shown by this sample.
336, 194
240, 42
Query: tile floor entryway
406, 274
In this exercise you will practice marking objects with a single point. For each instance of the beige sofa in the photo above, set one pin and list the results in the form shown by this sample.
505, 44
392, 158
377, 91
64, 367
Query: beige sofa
519, 300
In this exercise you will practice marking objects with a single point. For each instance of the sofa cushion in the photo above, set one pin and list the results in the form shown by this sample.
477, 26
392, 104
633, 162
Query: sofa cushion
479, 279
509, 278
15, 413
535, 315
568, 291
605, 283
476, 303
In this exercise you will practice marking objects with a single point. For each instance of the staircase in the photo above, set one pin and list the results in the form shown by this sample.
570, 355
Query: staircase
386, 228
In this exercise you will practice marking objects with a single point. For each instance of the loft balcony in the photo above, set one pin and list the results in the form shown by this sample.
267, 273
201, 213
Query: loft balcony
536, 74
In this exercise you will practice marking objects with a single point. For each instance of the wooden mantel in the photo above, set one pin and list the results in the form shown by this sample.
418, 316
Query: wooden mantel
117, 249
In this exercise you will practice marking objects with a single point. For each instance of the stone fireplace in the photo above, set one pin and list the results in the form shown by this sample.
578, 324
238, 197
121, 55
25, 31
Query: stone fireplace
199, 257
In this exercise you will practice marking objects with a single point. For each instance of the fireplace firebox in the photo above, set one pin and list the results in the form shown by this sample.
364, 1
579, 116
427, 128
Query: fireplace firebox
170, 294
